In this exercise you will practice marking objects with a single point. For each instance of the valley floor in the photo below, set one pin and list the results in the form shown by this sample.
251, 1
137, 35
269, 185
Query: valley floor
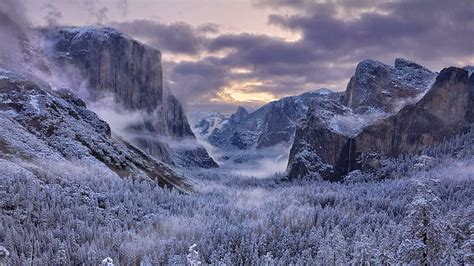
74, 214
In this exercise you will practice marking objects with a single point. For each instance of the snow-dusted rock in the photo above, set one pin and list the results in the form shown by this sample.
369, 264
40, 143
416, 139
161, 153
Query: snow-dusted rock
270, 125
443, 112
208, 122
117, 65
3, 255
334, 138
384, 87
107, 262
51, 127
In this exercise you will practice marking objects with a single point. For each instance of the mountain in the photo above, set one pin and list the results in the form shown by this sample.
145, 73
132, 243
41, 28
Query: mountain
45, 130
130, 72
337, 137
387, 88
270, 125
208, 122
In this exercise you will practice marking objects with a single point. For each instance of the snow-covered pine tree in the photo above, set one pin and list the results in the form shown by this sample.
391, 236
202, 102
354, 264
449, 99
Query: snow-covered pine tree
333, 249
3, 255
107, 262
424, 241
193, 256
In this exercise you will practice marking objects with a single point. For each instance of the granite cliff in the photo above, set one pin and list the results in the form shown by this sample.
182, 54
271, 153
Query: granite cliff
385, 112
131, 72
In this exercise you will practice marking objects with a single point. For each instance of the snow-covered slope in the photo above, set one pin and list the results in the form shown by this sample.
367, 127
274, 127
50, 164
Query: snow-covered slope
42, 127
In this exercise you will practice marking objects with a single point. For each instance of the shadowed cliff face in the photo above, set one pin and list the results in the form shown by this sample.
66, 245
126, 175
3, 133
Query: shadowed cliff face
444, 111
116, 65
325, 146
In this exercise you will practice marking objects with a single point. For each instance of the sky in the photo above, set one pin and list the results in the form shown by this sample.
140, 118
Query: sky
218, 54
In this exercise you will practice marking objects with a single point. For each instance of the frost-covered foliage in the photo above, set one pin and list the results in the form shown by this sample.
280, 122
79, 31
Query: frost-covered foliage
448, 152
3, 255
81, 217
193, 256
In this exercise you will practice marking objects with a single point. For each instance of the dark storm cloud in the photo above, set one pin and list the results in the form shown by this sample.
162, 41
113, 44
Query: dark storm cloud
260, 50
197, 80
336, 35
180, 38
421, 28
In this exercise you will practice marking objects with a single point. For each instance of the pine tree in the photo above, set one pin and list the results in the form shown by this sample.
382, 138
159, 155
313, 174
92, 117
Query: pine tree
193, 256
3, 255
333, 249
424, 239
468, 248
107, 262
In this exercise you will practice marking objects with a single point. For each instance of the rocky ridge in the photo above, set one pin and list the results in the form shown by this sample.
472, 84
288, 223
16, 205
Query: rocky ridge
335, 139
41, 126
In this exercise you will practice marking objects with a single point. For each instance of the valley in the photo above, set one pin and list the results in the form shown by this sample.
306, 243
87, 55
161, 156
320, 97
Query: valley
106, 160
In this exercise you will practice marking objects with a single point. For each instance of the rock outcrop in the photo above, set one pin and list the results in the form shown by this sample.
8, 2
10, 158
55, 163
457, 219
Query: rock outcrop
131, 72
41, 126
337, 136
387, 88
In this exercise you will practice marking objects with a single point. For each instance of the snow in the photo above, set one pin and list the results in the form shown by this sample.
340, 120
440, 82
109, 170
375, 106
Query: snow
34, 103
107, 262
351, 124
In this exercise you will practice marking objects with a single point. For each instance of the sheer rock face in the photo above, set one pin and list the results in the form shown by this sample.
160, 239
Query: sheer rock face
49, 127
444, 111
380, 86
116, 65
321, 139
334, 138
470, 70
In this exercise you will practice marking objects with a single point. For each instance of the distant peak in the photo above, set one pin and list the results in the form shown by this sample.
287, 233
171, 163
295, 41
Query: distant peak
239, 115
370, 62
241, 110
324, 91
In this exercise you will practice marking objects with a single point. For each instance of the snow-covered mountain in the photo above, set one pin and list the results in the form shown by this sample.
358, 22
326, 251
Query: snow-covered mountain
270, 125
45, 132
385, 112
130, 73
207, 122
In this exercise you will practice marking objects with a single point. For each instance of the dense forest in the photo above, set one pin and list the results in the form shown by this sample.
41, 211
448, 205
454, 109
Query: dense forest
420, 212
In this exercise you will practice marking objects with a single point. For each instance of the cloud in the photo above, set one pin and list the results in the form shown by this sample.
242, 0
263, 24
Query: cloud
53, 15
98, 13
14, 27
203, 61
335, 36
179, 38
